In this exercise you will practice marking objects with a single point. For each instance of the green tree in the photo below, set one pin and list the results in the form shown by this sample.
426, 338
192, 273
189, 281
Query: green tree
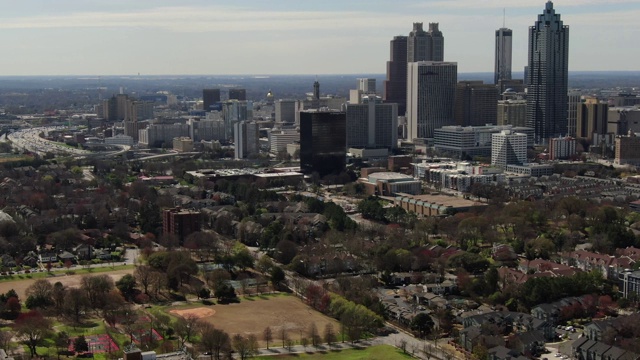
224, 292
277, 276
422, 324
372, 209
80, 344
127, 286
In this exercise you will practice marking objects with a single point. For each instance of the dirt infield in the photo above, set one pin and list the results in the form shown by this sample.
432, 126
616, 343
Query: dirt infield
253, 316
198, 313
67, 280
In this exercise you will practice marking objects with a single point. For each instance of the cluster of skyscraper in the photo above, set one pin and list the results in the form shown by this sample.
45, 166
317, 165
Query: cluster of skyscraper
426, 88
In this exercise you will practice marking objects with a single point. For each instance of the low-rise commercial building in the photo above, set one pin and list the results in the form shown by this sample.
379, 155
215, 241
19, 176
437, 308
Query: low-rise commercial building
390, 183
435, 205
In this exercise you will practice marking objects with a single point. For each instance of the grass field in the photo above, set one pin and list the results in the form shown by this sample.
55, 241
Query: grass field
252, 315
380, 352
21, 282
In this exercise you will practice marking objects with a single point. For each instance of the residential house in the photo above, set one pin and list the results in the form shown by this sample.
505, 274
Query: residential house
48, 257
66, 256
541, 266
576, 346
588, 261
598, 350
614, 353
582, 352
531, 332
528, 343
552, 312
503, 353
84, 252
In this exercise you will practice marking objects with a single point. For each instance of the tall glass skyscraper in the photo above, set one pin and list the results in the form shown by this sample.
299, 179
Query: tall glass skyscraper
503, 55
547, 76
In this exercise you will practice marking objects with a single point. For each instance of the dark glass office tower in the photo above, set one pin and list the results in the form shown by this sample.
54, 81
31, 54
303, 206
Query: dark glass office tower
547, 76
238, 94
395, 86
323, 140
210, 97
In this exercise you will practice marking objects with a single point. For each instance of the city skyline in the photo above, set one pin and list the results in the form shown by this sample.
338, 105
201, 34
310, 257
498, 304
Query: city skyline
156, 38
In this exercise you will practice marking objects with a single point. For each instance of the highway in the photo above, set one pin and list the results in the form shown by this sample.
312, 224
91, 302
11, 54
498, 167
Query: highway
30, 140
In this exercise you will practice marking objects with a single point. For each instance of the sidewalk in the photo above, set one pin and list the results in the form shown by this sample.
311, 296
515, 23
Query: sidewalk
322, 348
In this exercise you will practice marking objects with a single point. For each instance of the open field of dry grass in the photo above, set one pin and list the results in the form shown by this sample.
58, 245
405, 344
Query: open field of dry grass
253, 315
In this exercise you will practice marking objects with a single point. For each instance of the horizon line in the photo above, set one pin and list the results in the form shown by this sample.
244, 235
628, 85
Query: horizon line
268, 75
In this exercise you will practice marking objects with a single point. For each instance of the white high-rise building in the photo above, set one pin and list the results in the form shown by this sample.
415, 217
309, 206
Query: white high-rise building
503, 55
372, 123
508, 148
279, 139
285, 111
246, 138
431, 89
157, 135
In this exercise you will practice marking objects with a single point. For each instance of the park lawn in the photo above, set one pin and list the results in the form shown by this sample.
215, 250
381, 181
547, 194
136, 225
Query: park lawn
379, 352
91, 326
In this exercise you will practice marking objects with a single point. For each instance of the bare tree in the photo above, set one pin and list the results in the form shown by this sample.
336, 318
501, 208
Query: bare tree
185, 328
214, 341
289, 345
314, 335
329, 334
402, 345
144, 275
267, 335
245, 347
283, 335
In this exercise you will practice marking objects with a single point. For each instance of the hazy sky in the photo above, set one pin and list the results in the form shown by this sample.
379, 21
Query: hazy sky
114, 37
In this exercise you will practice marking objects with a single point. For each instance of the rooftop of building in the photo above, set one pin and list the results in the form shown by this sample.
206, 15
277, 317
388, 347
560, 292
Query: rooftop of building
389, 176
444, 200
279, 174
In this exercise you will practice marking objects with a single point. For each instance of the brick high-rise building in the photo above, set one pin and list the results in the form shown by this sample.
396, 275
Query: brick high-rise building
395, 86
476, 103
180, 222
